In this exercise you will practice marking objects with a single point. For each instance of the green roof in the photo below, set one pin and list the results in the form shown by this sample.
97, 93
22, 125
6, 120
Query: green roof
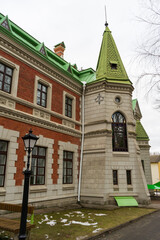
108, 55
26, 40
110, 66
141, 133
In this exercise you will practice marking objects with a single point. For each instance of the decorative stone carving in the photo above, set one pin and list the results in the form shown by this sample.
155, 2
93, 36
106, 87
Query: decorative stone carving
6, 102
68, 123
41, 114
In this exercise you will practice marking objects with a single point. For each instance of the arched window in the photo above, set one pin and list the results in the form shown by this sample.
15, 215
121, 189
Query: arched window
119, 133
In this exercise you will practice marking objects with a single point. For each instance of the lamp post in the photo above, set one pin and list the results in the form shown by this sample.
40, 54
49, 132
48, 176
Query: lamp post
29, 143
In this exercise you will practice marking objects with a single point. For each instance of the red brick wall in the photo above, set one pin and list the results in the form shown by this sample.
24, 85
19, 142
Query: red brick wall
23, 128
23, 108
26, 87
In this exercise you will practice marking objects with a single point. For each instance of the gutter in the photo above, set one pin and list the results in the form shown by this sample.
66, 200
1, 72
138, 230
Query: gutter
82, 143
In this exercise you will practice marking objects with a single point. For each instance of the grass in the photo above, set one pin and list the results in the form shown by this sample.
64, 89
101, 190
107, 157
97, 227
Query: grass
80, 223
67, 227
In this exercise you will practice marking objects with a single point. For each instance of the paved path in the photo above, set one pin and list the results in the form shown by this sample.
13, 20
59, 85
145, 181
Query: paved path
147, 228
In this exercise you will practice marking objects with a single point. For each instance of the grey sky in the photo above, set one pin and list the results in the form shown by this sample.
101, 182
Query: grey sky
80, 24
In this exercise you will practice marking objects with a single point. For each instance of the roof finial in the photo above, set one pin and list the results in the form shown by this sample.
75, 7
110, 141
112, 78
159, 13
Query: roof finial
106, 23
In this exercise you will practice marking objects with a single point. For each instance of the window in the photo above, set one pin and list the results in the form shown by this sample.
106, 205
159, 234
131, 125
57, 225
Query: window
114, 66
42, 95
67, 167
119, 134
38, 166
6, 74
68, 106
142, 162
115, 177
3, 160
117, 100
128, 175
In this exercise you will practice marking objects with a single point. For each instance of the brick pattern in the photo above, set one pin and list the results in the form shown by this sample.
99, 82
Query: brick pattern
26, 83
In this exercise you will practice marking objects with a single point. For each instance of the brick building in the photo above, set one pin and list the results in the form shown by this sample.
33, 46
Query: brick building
88, 147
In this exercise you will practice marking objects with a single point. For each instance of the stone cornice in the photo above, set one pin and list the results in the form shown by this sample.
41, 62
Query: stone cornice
113, 87
131, 133
30, 59
34, 106
98, 133
97, 122
30, 119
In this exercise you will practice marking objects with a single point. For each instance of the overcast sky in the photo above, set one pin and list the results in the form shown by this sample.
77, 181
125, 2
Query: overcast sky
80, 24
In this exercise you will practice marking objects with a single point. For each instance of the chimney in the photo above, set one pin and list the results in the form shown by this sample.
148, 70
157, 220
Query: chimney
59, 49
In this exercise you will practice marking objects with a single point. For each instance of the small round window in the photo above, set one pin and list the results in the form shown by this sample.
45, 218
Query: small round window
117, 99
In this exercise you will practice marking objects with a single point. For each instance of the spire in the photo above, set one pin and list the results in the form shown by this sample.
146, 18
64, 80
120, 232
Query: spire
106, 23
110, 66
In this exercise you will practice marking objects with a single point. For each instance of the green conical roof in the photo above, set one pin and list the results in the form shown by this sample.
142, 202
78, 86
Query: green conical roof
110, 66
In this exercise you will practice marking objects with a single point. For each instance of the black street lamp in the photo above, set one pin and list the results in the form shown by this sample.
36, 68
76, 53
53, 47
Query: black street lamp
29, 142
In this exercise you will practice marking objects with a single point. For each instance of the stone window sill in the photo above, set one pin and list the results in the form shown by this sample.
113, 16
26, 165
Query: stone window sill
115, 187
2, 191
68, 187
120, 154
130, 188
38, 189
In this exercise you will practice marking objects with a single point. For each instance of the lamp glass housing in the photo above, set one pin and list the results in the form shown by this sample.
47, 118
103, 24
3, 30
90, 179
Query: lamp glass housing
29, 140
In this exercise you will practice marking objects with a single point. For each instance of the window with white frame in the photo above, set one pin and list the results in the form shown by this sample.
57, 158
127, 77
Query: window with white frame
38, 166
9, 74
3, 160
42, 93
67, 167
69, 103
6, 74
68, 107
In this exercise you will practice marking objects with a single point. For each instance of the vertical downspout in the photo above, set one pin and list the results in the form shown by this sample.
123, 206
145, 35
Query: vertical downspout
82, 143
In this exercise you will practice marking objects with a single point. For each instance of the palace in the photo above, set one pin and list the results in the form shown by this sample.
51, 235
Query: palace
92, 146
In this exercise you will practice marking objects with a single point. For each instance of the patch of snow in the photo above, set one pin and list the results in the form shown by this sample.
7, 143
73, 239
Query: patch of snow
100, 214
84, 223
67, 215
51, 223
44, 220
64, 220
67, 224
97, 230
78, 212
46, 236
81, 237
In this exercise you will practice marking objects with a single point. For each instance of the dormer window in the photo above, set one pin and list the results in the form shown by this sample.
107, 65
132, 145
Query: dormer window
113, 65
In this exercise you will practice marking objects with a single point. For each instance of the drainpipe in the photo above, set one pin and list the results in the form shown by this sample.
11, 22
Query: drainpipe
82, 143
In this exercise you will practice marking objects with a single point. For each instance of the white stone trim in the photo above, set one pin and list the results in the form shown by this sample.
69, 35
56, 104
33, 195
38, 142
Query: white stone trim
15, 76
9, 184
73, 105
67, 146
